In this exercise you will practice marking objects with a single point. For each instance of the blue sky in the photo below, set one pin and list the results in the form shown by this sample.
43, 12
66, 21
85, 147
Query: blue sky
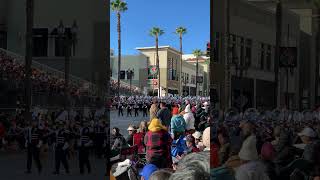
142, 15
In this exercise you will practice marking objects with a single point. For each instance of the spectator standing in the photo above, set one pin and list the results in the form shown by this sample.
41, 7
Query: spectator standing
178, 124
189, 118
158, 143
164, 115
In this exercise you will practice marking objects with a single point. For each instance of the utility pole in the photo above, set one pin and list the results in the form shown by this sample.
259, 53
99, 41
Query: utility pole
277, 51
28, 58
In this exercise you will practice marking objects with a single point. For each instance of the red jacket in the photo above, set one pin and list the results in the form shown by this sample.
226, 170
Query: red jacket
138, 140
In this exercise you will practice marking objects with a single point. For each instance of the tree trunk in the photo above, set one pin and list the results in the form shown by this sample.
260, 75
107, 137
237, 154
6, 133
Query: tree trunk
158, 65
28, 59
119, 51
181, 88
67, 72
317, 60
197, 65
277, 51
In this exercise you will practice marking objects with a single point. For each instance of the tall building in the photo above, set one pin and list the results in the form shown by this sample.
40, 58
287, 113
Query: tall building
88, 52
243, 69
170, 59
203, 62
309, 74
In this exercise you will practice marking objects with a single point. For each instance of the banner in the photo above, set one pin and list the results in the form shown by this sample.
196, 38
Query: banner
288, 57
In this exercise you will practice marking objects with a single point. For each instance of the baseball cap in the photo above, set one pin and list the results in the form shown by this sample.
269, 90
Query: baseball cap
148, 170
307, 132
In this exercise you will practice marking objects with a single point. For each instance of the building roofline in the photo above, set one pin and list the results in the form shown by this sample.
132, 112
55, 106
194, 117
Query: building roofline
160, 47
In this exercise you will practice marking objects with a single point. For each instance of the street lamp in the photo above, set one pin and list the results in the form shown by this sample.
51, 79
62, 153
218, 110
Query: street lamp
67, 40
130, 75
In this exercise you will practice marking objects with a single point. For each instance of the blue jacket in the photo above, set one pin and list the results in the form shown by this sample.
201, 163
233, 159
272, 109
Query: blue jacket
178, 124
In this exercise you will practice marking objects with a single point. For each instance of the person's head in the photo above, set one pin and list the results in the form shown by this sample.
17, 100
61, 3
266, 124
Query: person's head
277, 131
193, 166
247, 128
143, 127
223, 138
175, 111
307, 135
162, 105
156, 125
131, 130
147, 171
163, 174
115, 131
267, 152
34, 124
190, 141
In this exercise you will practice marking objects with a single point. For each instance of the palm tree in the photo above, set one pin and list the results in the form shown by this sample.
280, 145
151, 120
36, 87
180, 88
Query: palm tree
181, 31
197, 53
119, 6
156, 32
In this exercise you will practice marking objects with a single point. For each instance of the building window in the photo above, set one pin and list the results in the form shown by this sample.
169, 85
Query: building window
40, 42
268, 58
193, 79
262, 54
170, 73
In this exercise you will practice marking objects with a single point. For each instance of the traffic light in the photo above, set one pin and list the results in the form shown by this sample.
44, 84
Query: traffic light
122, 74
208, 49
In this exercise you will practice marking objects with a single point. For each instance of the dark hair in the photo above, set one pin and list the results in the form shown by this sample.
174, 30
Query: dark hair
117, 129
163, 174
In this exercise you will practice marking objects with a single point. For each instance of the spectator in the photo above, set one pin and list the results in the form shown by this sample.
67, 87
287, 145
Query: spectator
308, 136
117, 141
138, 137
131, 130
267, 156
163, 174
193, 166
158, 143
178, 124
164, 115
251, 168
224, 150
191, 144
153, 109
197, 136
147, 171
189, 118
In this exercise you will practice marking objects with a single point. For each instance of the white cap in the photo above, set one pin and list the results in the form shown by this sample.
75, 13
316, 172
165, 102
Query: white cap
206, 103
130, 128
197, 135
307, 132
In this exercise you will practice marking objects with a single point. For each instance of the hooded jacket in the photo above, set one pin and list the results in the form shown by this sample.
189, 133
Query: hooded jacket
178, 124
189, 118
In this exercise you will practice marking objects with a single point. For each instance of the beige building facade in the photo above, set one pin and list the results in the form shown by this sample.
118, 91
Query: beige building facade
169, 59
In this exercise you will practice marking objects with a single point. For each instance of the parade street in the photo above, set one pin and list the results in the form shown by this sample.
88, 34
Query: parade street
13, 166
122, 122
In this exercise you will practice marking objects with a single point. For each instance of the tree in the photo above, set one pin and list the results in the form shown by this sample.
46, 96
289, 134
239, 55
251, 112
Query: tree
197, 53
156, 32
181, 31
118, 6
